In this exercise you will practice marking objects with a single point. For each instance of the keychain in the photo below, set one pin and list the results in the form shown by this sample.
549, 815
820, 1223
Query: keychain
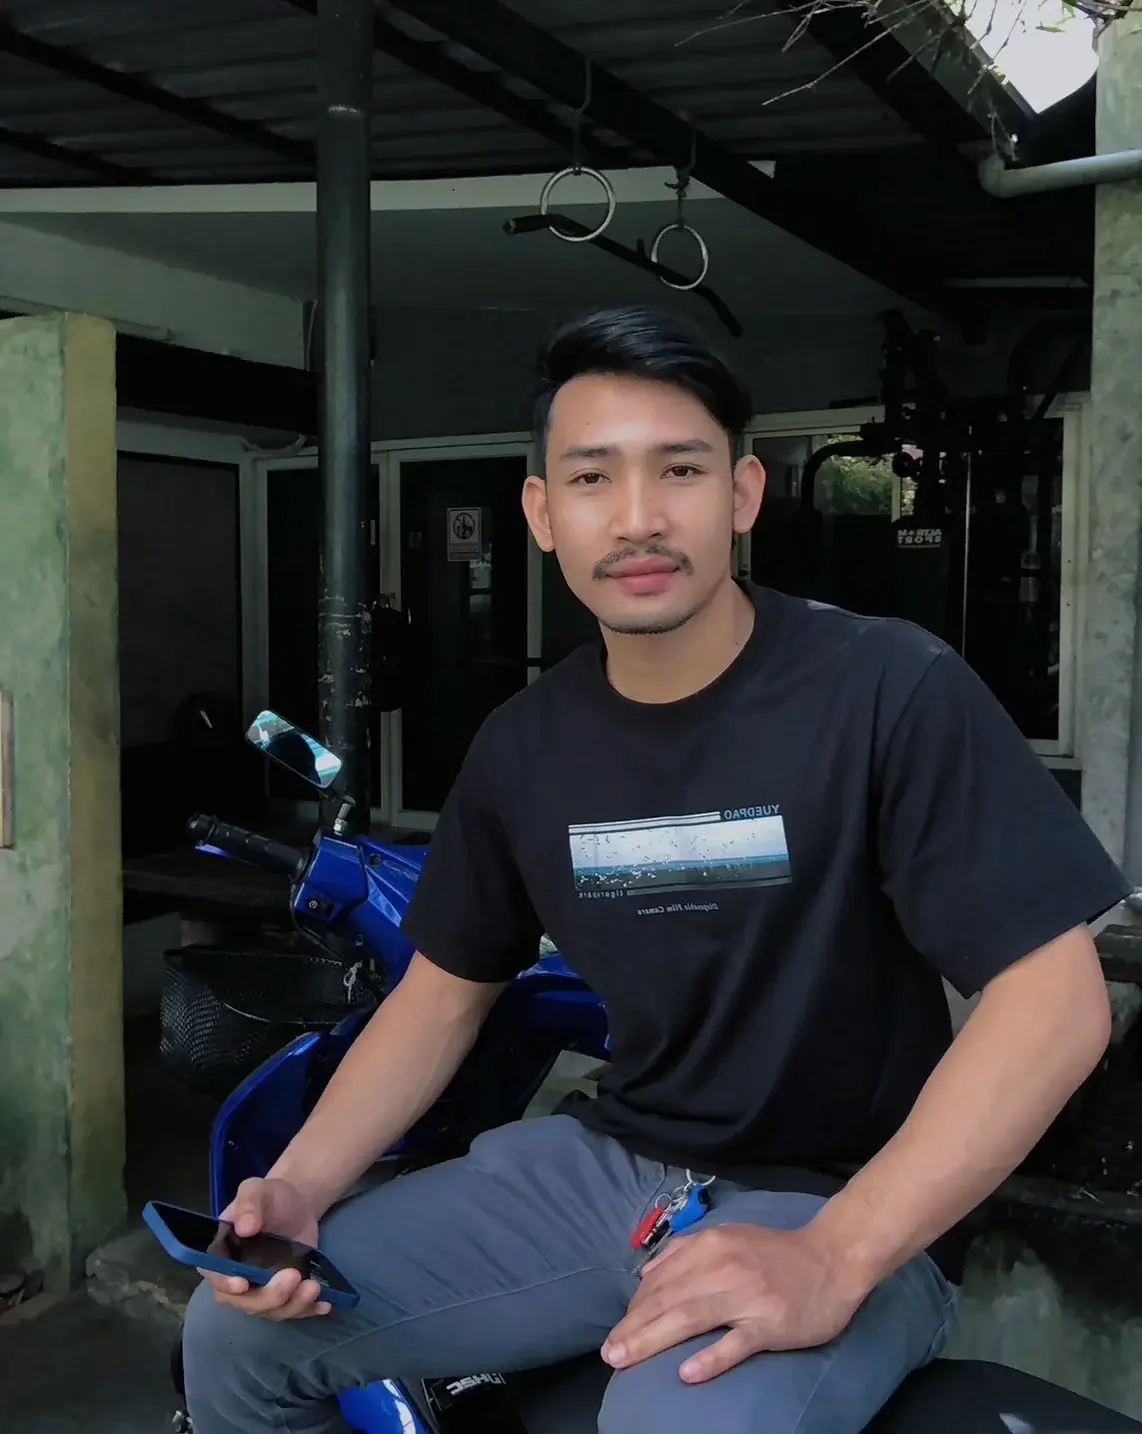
694, 1208
671, 1214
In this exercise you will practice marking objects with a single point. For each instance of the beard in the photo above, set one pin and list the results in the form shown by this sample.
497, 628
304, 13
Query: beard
649, 627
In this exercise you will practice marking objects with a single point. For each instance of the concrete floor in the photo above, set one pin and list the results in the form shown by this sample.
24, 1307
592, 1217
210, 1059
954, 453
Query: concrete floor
80, 1367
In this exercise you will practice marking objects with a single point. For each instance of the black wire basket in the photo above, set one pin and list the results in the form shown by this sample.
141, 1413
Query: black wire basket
224, 1011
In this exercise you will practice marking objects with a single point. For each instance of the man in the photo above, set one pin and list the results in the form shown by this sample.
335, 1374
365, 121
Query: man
762, 830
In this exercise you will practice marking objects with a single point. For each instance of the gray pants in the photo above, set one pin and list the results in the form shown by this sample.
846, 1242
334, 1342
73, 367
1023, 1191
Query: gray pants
519, 1256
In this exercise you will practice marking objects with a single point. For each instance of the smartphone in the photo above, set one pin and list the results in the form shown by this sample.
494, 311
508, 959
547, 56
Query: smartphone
206, 1243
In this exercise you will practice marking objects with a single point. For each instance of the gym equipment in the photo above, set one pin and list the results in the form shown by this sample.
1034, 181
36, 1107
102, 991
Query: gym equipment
973, 554
572, 232
638, 256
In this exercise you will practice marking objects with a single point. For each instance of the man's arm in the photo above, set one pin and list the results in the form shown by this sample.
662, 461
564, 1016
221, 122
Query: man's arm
392, 1073
1040, 1027
994, 878
470, 912
1038, 1031
400, 1064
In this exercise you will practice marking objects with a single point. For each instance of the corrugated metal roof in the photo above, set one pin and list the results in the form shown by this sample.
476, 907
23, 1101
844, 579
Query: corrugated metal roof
741, 82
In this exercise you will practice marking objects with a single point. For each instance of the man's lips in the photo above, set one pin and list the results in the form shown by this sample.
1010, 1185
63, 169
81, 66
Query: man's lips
644, 575
643, 567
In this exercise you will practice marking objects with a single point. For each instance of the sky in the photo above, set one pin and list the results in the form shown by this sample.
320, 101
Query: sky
1043, 66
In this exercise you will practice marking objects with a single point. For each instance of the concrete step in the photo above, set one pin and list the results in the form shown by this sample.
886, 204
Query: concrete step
1120, 948
134, 1274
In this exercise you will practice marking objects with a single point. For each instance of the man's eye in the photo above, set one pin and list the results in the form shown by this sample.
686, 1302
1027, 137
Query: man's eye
590, 479
682, 470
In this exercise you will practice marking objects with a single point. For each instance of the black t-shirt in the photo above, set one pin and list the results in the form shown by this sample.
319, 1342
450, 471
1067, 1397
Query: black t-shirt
763, 882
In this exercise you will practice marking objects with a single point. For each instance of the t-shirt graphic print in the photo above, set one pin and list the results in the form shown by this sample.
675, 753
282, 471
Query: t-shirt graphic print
700, 853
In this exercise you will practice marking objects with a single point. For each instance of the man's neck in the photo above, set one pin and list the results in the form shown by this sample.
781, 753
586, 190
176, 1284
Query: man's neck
668, 666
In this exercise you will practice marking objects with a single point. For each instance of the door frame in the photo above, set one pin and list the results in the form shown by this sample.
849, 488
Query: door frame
385, 455
391, 810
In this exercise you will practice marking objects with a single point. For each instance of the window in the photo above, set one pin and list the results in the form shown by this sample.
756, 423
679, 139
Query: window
1003, 581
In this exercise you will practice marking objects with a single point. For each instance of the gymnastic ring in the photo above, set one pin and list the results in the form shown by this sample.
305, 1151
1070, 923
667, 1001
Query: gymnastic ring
604, 184
702, 250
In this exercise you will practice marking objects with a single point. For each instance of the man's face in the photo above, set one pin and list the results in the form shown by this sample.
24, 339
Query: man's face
641, 500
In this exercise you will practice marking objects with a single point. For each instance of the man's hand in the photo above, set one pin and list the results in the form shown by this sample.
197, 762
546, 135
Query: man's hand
274, 1207
770, 1289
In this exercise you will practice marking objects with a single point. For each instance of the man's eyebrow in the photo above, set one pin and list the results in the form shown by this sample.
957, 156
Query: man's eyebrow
588, 450
665, 450
684, 445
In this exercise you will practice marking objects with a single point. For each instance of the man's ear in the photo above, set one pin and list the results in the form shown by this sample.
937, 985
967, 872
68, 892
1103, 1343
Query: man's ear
534, 499
749, 488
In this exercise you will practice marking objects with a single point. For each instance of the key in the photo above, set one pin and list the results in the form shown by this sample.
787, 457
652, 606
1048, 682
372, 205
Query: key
648, 1227
657, 1236
694, 1208
672, 1213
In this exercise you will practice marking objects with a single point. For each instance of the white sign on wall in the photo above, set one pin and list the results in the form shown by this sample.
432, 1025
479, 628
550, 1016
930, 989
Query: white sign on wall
464, 535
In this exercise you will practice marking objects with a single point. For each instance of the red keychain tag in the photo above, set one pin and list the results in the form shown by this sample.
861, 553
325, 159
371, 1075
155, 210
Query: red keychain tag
647, 1226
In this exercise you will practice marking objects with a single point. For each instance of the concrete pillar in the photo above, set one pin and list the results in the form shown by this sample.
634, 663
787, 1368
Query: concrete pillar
61, 1059
1108, 707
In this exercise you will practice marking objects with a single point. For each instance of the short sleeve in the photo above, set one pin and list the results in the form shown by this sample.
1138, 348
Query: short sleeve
981, 852
470, 913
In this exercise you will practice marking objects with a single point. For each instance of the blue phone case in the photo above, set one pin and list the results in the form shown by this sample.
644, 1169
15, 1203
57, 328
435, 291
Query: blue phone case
220, 1265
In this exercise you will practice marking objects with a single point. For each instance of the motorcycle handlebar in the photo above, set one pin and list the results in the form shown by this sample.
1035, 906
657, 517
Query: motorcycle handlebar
246, 845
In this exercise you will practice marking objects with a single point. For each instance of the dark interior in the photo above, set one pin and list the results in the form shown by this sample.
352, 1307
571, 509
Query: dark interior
180, 626
467, 615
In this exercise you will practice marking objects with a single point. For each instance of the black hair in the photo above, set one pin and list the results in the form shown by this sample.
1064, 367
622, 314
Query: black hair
645, 343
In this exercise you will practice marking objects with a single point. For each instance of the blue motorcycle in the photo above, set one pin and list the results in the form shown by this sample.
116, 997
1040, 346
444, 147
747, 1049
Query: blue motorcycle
348, 895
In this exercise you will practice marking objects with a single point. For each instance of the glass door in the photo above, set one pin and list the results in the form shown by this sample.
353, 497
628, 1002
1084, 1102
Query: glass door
460, 563
1007, 600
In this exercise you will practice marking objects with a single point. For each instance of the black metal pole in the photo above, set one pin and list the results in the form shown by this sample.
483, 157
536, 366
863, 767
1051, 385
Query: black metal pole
345, 51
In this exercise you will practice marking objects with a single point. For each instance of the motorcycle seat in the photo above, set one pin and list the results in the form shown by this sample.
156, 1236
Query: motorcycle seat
950, 1396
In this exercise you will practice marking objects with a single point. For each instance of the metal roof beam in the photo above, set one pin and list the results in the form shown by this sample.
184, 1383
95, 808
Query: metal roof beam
130, 87
504, 38
105, 170
428, 58
924, 68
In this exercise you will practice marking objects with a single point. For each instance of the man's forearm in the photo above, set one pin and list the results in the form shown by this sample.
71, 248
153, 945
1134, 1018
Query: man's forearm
1038, 1031
392, 1074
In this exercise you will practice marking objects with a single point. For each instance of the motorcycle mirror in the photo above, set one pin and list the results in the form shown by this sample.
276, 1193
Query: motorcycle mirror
294, 749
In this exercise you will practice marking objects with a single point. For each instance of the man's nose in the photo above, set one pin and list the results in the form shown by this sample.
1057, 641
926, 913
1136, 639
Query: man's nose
638, 515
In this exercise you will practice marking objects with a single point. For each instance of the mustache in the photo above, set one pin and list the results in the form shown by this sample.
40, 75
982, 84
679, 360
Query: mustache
605, 566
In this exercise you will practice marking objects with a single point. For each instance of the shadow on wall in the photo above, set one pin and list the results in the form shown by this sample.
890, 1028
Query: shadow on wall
15, 1234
